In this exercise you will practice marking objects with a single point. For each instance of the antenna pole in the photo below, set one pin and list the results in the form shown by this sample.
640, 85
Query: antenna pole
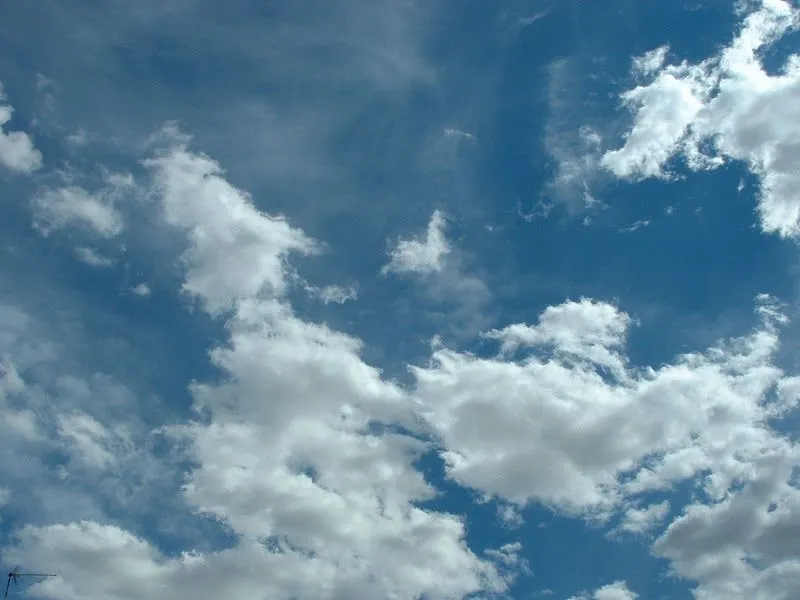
15, 574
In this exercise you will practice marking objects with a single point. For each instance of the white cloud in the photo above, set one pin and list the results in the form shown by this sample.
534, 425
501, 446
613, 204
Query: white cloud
73, 206
507, 553
77, 439
744, 546
92, 258
508, 560
613, 591
558, 426
454, 132
336, 294
17, 151
585, 330
510, 516
643, 520
424, 255
89, 442
650, 62
664, 111
636, 226
564, 422
330, 504
235, 252
327, 509
99, 561
575, 151
726, 107
457, 300
325, 484
142, 289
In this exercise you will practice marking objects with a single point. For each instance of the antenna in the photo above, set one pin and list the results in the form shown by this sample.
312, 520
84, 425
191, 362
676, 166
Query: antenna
15, 574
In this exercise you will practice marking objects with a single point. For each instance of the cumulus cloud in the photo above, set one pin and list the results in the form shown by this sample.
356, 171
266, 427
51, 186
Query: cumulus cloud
236, 252
325, 485
17, 151
664, 111
96, 561
332, 505
559, 418
727, 107
744, 546
586, 330
329, 508
423, 255
563, 422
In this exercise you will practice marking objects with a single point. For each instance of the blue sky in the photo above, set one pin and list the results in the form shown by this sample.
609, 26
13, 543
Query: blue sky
400, 299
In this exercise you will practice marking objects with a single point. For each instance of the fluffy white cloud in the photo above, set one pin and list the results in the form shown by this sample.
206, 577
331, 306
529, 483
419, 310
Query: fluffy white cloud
73, 206
457, 299
746, 545
104, 561
569, 424
563, 423
726, 107
613, 591
643, 520
425, 255
325, 485
664, 110
17, 151
235, 252
97, 561
328, 508
289, 453
142, 290
585, 330
650, 62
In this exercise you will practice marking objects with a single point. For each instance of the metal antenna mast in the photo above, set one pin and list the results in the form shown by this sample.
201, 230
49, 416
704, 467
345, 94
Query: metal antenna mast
16, 574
